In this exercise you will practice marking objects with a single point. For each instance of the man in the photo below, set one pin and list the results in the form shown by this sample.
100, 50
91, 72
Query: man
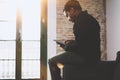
85, 49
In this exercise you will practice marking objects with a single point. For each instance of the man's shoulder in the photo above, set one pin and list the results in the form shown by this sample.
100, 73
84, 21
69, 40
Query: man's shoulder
83, 16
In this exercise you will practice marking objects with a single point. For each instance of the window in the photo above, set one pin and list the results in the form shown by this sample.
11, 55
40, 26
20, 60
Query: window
7, 38
20, 19
30, 12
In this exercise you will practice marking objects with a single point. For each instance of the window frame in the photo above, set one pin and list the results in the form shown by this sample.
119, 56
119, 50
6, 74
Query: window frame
18, 41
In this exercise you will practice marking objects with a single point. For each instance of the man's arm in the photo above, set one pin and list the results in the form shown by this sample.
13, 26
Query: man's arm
60, 43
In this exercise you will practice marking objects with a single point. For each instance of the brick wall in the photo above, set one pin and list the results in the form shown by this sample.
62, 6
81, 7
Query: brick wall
64, 27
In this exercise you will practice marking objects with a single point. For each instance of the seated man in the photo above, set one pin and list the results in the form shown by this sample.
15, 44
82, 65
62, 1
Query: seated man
85, 49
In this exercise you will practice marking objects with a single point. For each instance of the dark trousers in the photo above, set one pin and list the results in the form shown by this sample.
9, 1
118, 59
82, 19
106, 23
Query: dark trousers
64, 58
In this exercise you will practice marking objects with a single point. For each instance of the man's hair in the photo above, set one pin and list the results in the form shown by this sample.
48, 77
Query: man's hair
72, 4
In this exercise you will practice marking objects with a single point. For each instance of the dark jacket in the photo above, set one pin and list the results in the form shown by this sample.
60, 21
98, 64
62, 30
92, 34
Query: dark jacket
87, 37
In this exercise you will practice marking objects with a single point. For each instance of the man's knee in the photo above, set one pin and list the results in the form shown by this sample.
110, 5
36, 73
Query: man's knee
49, 61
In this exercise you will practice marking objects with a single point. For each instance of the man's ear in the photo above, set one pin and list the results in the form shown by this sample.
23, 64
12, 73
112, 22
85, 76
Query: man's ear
72, 9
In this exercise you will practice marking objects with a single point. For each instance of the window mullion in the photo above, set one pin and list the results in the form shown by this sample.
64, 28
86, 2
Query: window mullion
43, 43
18, 46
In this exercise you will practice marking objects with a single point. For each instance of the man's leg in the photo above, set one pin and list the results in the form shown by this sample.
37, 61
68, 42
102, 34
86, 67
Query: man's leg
64, 58
54, 70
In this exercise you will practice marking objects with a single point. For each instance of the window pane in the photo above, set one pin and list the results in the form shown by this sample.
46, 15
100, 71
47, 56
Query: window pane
30, 11
7, 6
7, 59
7, 19
30, 69
30, 49
30, 59
7, 30
7, 49
30, 19
7, 69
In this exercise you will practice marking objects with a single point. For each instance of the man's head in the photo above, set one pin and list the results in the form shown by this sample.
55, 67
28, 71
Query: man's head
71, 9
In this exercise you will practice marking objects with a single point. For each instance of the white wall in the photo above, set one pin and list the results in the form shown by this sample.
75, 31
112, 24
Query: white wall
51, 30
113, 28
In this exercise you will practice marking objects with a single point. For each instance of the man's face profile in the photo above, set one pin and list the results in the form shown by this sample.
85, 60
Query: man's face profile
70, 15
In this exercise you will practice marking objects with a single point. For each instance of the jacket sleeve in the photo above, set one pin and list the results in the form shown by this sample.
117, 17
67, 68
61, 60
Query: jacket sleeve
72, 46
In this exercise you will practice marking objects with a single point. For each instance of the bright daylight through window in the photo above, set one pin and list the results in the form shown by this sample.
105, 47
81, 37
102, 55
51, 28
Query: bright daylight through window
30, 11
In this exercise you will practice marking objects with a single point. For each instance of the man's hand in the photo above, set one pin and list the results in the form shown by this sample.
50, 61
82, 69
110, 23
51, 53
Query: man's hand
68, 42
60, 43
